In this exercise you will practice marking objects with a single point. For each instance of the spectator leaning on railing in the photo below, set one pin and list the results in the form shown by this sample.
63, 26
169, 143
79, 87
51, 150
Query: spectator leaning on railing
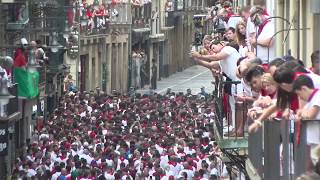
287, 100
304, 88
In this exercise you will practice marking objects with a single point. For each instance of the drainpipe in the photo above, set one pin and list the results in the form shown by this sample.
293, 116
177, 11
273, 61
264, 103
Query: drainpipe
298, 27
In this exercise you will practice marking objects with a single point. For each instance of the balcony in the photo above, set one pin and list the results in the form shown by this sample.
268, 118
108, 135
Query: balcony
141, 17
119, 14
42, 72
15, 20
194, 5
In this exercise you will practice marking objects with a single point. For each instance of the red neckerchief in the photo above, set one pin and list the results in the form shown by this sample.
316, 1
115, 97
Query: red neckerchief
172, 163
202, 156
297, 74
122, 158
262, 26
272, 95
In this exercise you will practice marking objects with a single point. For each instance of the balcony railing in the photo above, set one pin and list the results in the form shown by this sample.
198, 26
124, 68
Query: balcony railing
275, 151
141, 16
42, 72
119, 14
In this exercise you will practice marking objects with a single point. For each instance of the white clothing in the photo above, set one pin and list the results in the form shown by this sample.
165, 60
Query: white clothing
229, 65
250, 28
313, 128
31, 172
262, 52
190, 174
175, 169
315, 79
246, 89
55, 176
243, 50
109, 176
233, 21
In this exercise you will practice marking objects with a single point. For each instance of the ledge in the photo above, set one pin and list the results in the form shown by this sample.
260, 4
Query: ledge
13, 117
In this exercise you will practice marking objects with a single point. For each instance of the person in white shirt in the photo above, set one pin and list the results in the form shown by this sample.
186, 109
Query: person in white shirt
264, 43
250, 27
228, 57
303, 86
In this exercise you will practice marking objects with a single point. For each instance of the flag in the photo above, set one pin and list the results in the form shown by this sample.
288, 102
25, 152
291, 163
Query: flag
28, 82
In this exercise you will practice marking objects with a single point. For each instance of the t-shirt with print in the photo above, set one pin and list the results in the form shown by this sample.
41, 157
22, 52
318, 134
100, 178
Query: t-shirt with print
313, 128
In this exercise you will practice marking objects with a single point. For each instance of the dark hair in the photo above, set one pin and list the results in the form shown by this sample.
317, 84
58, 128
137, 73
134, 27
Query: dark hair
241, 38
254, 72
256, 60
234, 45
283, 75
231, 29
283, 98
315, 57
276, 62
288, 58
240, 59
303, 80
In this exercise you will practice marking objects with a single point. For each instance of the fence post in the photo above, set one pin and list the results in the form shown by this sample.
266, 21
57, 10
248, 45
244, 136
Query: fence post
301, 152
255, 151
286, 158
271, 150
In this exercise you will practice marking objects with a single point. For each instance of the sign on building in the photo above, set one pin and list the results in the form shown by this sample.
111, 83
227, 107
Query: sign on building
3, 139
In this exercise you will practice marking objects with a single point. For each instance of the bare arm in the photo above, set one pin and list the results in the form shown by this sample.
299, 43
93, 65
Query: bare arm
209, 58
265, 42
206, 64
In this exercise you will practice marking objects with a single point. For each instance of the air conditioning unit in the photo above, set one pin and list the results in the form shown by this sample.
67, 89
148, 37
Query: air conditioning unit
315, 6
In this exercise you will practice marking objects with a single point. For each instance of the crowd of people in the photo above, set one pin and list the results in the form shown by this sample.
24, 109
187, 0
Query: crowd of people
92, 135
96, 16
272, 87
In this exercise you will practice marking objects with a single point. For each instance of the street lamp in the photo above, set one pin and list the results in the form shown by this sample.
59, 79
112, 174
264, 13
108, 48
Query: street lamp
5, 96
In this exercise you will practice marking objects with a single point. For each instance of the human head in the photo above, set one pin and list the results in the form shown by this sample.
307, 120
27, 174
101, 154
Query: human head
245, 12
274, 64
33, 44
315, 60
216, 45
206, 41
303, 87
241, 32
24, 43
256, 15
230, 34
268, 84
253, 77
284, 75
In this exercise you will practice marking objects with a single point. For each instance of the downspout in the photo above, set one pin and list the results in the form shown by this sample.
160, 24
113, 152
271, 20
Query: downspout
298, 27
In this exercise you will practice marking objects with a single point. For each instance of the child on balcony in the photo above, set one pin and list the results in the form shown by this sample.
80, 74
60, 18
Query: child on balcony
303, 86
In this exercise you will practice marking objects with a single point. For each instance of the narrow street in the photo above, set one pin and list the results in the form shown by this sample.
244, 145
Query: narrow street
193, 77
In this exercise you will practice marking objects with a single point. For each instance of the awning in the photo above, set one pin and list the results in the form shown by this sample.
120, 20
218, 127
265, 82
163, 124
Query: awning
157, 38
141, 30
